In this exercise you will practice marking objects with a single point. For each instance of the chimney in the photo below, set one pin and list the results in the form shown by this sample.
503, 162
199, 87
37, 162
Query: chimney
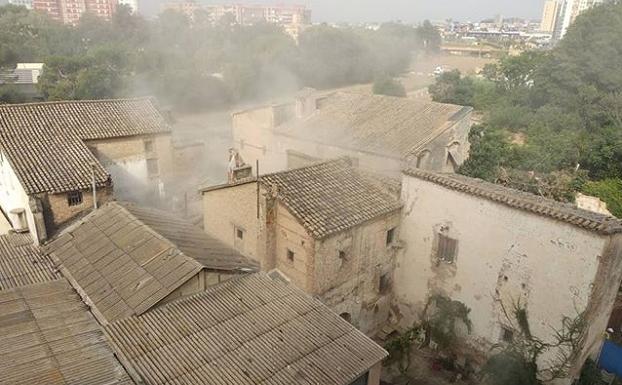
238, 170
18, 217
306, 103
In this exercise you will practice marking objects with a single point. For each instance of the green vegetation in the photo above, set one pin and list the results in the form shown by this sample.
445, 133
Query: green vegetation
551, 120
608, 190
196, 65
388, 86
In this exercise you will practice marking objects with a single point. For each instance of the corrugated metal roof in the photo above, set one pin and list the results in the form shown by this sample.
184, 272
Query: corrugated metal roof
48, 336
124, 259
192, 241
120, 265
45, 142
21, 263
249, 330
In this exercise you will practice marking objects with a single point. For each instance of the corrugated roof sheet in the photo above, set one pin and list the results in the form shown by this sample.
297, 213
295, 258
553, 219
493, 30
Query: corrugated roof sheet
123, 266
391, 126
249, 330
45, 142
22, 264
331, 197
48, 336
564, 212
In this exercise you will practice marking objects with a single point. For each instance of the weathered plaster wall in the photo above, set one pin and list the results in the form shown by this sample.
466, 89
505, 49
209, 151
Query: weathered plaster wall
126, 161
228, 208
13, 196
290, 235
503, 253
352, 285
255, 138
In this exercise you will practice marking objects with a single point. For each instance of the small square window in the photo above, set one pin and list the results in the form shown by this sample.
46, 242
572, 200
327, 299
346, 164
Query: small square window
342, 256
507, 335
390, 236
290, 255
149, 146
74, 198
239, 233
447, 248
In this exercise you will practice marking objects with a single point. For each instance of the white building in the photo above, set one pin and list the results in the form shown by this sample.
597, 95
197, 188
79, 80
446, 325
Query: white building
491, 248
567, 13
25, 3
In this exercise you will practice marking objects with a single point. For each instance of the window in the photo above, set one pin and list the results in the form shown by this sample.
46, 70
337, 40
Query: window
149, 146
384, 284
239, 234
507, 334
74, 198
342, 256
447, 247
390, 236
363, 380
238, 238
346, 316
290, 255
152, 167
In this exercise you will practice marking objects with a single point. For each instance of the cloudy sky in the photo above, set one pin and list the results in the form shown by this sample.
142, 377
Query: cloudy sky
406, 10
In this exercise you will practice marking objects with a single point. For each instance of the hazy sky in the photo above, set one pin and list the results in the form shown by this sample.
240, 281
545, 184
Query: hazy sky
406, 10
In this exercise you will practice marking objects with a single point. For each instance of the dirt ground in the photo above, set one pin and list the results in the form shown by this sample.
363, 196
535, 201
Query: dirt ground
421, 372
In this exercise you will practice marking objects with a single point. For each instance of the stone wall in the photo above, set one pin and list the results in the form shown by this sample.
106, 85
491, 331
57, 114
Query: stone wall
503, 256
58, 212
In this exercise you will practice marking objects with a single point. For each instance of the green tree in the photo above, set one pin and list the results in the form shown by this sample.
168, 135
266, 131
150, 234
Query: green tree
389, 87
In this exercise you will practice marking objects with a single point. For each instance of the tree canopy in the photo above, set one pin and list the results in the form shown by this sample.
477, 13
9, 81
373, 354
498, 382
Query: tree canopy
196, 64
549, 116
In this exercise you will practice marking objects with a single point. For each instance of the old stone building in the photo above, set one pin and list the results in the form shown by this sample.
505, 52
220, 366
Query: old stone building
493, 249
384, 134
53, 154
329, 228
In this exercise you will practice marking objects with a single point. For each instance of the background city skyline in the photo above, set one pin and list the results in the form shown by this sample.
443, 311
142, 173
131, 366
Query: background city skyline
386, 10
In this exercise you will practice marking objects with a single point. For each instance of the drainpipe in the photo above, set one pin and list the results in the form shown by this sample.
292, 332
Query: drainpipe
94, 186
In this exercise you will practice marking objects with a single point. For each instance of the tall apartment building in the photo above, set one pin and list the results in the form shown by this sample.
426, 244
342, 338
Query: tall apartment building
25, 3
133, 4
549, 15
567, 13
70, 11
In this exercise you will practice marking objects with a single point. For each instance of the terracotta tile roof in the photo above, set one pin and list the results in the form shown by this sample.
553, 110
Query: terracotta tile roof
22, 264
391, 126
249, 330
564, 212
48, 336
45, 142
330, 197
123, 266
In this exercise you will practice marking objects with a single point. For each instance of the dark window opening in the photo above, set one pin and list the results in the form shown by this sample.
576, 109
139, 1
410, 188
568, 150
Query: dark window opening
363, 380
384, 284
507, 335
346, 316
447, 248
74, 198
390, 236
342, 256
290, 255
239, 233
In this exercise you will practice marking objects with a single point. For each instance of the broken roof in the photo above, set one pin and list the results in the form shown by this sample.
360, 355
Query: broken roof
48, 336
122, 266
45, 142
331, 197
392, 126
22, 264
564, 212
249, 330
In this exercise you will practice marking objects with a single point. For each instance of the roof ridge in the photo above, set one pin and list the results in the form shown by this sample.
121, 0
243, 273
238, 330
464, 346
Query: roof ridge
81, 101
523, 200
